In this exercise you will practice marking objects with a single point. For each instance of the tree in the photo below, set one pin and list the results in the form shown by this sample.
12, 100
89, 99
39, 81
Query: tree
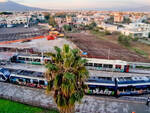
107, 32
110, 20
92, 25
47, 17
66, 77
126, 20
67, 27
124, 40
120, 38
52, 21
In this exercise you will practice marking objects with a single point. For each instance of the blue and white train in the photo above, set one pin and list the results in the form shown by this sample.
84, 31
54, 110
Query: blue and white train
112, 86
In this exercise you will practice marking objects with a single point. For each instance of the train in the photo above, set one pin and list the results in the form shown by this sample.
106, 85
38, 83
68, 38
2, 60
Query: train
23, 77
109, 86
92, 63
118, 86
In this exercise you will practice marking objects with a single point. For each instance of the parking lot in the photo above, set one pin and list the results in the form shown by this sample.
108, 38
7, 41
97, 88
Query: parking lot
9, 34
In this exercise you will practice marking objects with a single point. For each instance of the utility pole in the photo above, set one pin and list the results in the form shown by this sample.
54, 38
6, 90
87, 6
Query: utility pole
108, 53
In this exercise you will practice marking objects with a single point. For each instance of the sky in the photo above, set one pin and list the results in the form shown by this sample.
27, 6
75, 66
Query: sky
61, 4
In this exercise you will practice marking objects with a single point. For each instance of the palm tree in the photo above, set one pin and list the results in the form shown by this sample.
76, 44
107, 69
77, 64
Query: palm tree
66, 75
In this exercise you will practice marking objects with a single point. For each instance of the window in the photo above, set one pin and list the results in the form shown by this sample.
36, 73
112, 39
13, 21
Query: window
41, 82
36, 60
28, 59
27, 80
118, 66
2, 77
35, 81
21, 58
86, 64
20, 80
90, 64
108, 66
97, 65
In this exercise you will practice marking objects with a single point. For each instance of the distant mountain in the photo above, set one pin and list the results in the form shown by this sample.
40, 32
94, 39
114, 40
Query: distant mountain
13, 6
143, 9
127, 8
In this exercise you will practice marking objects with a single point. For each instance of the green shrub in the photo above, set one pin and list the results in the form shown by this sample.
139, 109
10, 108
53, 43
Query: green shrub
124, 40
135, 39
107, 32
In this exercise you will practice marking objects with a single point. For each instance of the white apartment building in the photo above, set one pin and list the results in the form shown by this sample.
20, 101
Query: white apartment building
108, 27
17, 20
137, 30
134, 33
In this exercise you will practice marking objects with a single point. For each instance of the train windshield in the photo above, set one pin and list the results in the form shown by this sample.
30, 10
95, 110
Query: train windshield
2, 78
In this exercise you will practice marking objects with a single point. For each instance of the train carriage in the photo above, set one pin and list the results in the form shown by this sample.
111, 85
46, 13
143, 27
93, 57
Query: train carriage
133, 86
30, 59
110, 86
28, 78
92, 63
101, 86
107, 65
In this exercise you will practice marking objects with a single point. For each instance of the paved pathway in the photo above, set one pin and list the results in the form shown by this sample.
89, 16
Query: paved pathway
89, 104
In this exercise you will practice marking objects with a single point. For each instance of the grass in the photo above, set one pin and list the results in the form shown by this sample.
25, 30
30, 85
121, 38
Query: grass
7, 106
142, 67
98, 33
135, 46
141, 52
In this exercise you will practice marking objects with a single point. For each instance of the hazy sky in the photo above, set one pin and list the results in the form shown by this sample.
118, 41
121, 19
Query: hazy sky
82, 3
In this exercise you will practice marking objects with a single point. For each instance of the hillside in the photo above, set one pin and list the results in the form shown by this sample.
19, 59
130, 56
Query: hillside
13, 6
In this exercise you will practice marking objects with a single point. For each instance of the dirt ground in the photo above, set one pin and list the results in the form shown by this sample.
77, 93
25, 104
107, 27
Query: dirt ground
104, 49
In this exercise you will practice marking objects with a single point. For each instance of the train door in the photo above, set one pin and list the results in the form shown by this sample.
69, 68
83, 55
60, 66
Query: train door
118, 67
126, 68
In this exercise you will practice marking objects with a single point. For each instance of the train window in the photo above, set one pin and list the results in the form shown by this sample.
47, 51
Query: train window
118, 66
36, 60
86, 64
21, 58
41, 82
97, 65
90, 64
108, 66
27, 80
35, 81
20, 80
28, 59
2, 77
